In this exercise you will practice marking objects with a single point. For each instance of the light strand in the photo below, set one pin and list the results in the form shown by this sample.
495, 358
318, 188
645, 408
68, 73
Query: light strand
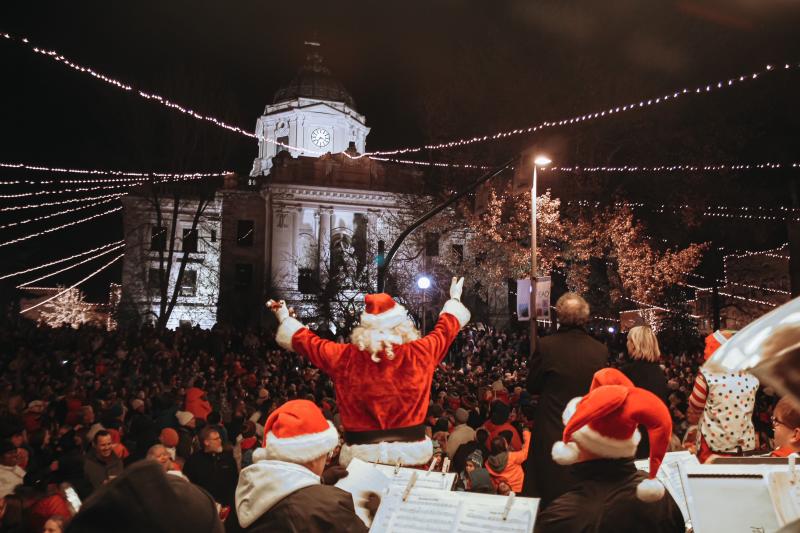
93, 274
57, 213
61, 170
60, 202
752, 212
675, 168
674, 95
69, 191
70, 267
62, 226
57, 261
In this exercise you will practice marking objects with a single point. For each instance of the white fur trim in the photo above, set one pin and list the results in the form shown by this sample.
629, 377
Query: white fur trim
286, 331
565, 453
650, 490
569, 410
457, 309
409, 453
386, 320
592, 441
303, 448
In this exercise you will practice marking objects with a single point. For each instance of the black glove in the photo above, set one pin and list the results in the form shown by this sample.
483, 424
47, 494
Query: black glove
333, 474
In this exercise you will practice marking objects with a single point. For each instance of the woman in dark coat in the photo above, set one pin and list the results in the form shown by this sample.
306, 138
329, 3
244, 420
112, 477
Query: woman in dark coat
645, 370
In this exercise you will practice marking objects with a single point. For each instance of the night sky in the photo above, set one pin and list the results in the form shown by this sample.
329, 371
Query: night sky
420, 72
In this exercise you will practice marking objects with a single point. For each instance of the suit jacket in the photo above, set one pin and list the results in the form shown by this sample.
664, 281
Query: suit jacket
604, 500
561, 369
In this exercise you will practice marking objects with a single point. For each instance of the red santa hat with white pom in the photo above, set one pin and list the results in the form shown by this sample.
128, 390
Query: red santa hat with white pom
604, 424
297, 432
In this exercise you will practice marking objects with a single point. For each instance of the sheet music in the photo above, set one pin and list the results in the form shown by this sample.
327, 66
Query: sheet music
785, 496
363, 478
425, 480
436, 511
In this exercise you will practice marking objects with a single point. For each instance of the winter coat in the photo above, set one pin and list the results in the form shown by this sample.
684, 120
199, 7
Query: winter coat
280, 496
460, 435
507, 466
603, 500
215, 472
648, 376
561, 369
98, 471
197, 404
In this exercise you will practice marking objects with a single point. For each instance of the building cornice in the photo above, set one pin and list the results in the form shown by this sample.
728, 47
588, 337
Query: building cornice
316, 195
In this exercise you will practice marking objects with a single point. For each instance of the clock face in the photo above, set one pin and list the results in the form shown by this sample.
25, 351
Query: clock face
320, 137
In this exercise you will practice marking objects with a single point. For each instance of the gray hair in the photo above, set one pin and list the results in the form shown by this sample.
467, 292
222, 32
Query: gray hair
572, 310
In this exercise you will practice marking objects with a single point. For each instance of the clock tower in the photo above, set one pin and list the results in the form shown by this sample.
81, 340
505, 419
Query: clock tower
311, 116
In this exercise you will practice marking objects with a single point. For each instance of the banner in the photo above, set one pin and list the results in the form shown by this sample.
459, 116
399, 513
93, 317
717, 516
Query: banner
542, 298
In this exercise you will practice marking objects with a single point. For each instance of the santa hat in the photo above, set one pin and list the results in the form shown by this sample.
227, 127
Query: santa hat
715, 340
605, 376
382, 312
604, 424
297, 432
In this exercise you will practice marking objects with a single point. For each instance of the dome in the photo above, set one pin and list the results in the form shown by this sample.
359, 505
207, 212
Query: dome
314, 80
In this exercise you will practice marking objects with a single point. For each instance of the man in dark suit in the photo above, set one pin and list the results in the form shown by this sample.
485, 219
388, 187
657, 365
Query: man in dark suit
561, 369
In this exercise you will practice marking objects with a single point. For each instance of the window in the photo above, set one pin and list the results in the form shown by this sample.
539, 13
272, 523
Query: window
282, 141
189, 242
244, 275
158, 238
189, 283
432, 244
360, 222
153, 280
244, 232
305, 281
213, 235
458, 250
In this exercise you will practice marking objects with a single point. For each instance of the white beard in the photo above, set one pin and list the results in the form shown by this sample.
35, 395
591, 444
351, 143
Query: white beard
376, 340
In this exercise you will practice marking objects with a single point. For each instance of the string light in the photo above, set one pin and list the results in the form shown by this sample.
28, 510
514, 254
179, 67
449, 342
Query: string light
673, 168
674, 95
721, 211
61, 170
70, 267
60, 202
73, 286
432, 163
57, 213
62, 226
57, 261
65, 191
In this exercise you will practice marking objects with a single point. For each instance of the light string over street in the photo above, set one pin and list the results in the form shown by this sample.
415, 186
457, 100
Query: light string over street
708, 88
62, 260
98, 172
69, 191
70, 267
57, 213
62, 226
60, 202
87, 278
750, 212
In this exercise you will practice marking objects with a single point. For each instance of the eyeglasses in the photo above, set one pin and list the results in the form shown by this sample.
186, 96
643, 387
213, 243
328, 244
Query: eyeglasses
777, 422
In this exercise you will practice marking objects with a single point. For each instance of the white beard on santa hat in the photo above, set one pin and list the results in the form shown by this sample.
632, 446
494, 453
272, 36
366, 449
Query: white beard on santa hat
374, 339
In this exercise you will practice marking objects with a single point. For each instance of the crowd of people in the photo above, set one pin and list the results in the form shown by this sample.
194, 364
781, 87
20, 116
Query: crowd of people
82, 407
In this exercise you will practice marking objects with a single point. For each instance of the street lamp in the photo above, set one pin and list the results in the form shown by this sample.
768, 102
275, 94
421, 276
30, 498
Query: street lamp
540, 161
423, 282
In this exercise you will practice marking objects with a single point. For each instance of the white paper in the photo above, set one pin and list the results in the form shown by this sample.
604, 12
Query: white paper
436, 511
363, 478
785, 496
670, 475
425, 480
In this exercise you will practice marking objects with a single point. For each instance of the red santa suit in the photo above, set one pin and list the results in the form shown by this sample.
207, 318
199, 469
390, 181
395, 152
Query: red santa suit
383, 396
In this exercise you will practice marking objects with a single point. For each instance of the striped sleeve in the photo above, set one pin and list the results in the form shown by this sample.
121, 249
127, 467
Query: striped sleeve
697, 400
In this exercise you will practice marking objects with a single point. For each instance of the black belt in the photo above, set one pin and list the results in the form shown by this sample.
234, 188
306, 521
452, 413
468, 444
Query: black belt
407, 434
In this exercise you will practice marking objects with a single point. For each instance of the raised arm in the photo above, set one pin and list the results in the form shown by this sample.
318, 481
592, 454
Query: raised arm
293, 336
452, 318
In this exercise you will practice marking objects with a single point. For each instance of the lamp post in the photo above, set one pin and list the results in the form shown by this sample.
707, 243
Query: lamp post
540, 161
423, 282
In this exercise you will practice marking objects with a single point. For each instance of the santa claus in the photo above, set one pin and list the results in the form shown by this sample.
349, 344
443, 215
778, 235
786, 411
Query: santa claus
383, 376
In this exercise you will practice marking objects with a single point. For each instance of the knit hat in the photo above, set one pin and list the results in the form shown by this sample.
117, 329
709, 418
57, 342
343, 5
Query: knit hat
136, 403
462, 415
476, 457
296, 432
184, 417
604, 424
715, 340
168, 437
382, 312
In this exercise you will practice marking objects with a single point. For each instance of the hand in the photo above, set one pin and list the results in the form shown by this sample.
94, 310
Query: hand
280, 310
372, 502
456, 287
333, 474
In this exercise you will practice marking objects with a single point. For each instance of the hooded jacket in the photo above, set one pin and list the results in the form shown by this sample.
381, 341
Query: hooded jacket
507, 466
197, 404
280, 496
